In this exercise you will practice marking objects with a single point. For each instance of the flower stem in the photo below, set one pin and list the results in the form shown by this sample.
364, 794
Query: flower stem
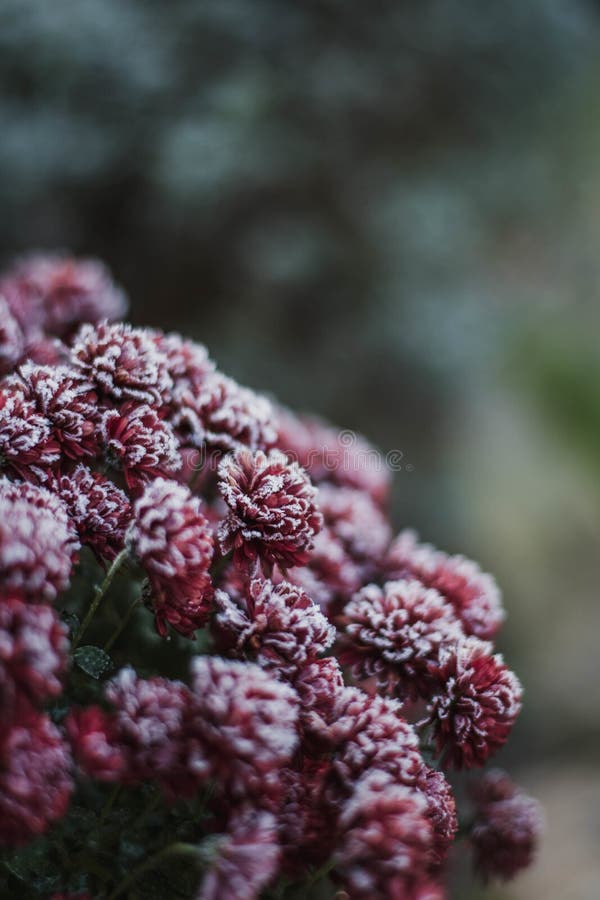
122, 624
117, 562
179, 848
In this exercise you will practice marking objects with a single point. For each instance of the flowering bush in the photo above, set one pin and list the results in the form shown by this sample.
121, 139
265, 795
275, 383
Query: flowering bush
220, 674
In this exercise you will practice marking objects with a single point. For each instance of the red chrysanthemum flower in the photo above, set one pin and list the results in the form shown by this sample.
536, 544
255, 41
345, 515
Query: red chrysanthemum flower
27, 447
56, 293
221, 414
368, 732
319, 685
33, 651
37, 543
242, 727
396, 633
12, 341
96, 744
507, 827
277, 625
441, 810
273, 513
307, 820
67, 402
124, 363
99, 510
476, 704
356, 521
247, 858
328, 455
35, 780
473, 594
187, 362
173, 540
386, 842
138, 441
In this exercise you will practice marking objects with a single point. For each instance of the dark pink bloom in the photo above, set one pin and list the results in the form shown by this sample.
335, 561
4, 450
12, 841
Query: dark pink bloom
242, 727
319, 685
507, 828
98, 509
12, 341
247, 858
329, 455
187, 362
124, 363
66, 400
136, 440
356, 521
33, 651
96, 743
173, 540
27, 446
475, 706
368, 732
396, 633
441, 810
221, 414
277, 625
273, 512
56, 293
473, 594
386, 840
35, 780
37, 542
307, 818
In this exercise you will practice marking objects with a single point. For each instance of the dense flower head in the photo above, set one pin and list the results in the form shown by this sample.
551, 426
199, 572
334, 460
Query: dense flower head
306, 817
242, 727
475, 705
368, 732
12, 340
37, 542
272, 509
187, 362
221, 414
35, 779
441, 810
55, 293
247, 858
386, 840
173, 540
507, 828
95, 743
319, 685
474, 594
27, 446
135, 439
396, 633
98, 509
328, 455
124, 363
33, 652
65, 398
277, 625
356, 521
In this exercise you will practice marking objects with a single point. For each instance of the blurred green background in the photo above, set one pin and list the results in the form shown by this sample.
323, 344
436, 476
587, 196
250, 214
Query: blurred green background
388, 213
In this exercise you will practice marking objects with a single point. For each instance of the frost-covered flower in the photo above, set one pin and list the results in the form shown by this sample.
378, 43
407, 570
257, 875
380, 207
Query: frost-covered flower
55, 293
329, 455
12, 341
187, 362
367, 733
273, 512
247, 858
307, 818
138, 441
35, 780
99, 510
396, 633
173, 540
221, 414
27, 447
475, 705
242, 727
33, 651
474, 595
507, 828
319, 685
356, 521
441, 810
278, 625
96, 744
123, 362
386, 840
37, 543
66, 400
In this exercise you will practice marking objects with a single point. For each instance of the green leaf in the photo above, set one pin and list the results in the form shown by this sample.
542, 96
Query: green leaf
93, 661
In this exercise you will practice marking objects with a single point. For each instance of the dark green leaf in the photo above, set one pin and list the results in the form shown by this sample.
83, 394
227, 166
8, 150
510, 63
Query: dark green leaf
93, 661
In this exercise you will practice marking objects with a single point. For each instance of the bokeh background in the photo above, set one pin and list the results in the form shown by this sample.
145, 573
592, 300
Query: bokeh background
388, 213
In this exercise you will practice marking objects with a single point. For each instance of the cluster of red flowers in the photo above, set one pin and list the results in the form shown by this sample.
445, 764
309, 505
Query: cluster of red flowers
345, 670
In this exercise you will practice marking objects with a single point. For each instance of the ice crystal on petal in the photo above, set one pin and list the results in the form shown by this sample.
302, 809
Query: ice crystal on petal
99, 510
27, 447
139, 442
